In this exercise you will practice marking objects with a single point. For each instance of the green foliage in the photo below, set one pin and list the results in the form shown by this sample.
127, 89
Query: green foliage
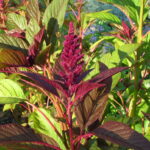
33, 10
55, 13
10, 92
16, 21
41, 124
68, 112
12, 43
102, 15
31, 30
129, 7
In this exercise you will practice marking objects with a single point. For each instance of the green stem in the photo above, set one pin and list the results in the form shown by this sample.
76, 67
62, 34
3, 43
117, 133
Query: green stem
132, 106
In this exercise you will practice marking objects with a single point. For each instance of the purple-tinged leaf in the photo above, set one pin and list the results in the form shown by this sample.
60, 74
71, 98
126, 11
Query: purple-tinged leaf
83, 75
34, 48
84, 88
27, 146
91, 108
107, 73
38, 37
122, 134
43, 82
14, 136
12, 58
93, 104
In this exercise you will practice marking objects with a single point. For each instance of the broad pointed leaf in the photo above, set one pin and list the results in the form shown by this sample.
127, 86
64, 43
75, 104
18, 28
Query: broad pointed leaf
84, 88
10, 92
34, 48
16, 21
108, 73
55, 10
111, 59
41, 125
12, 58
129, 7
83, 75
13, 42
33, 10
16, 137
44, 82
93, 104
122, 134
102, 15
32, 29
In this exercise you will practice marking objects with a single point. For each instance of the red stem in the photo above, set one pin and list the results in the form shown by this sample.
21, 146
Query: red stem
70, 123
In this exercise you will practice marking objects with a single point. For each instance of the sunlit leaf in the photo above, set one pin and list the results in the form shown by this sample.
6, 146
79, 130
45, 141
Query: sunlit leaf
16, 21
41, 125
102, 15
32, 29
12, 42
33, 10
129, 7
10, 92
55, 10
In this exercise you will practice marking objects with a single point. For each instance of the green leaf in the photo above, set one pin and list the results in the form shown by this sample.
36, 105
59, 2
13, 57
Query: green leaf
55, 10
97, 43
32, 29
33, 10
12, 43
117, 56
16, 21
144, 106
129, 7
102, 15
13, 51
126, 50
41, 125
10, 92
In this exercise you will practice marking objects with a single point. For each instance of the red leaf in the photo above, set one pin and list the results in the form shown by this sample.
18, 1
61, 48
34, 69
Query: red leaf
14, 136
38, 37
122, 134
84, 88
18, 34
34, 48
83, 75
107, 73
44, 82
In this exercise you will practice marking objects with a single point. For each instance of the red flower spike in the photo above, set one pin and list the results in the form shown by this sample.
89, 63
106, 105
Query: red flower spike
71, 60
126, 30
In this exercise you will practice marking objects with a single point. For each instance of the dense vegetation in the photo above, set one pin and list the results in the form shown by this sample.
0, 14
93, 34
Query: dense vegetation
74, 75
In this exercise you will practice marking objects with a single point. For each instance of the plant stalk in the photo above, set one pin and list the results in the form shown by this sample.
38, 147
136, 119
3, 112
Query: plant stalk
70, 124
132, 106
